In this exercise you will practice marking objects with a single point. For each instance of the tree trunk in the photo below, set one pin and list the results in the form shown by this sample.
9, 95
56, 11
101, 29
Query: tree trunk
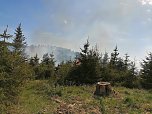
103, 89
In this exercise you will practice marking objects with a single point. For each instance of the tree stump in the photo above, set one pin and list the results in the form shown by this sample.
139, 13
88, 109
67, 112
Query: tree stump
103, 89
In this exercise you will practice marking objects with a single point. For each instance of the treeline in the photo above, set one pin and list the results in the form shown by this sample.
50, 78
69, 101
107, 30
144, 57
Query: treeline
88, 67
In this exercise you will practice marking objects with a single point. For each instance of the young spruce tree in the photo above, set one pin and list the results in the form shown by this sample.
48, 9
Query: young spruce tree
147, 72
19, 41
88, 71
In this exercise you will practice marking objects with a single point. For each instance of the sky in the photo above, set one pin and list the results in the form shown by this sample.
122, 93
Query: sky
69, 23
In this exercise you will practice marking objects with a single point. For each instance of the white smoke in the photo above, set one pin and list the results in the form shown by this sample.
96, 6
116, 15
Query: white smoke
145, 2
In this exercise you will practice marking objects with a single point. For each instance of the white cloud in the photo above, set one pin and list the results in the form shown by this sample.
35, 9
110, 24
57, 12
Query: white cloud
145, 2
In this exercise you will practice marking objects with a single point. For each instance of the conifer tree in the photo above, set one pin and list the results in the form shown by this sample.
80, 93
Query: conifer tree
34, 60
114, 57
84, 52
147, 72
126, 61
120, 64
47, 66
130, 78
88, 71
19, 41
48, 59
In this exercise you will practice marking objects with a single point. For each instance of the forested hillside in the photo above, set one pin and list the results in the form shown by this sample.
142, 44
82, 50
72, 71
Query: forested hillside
60, 54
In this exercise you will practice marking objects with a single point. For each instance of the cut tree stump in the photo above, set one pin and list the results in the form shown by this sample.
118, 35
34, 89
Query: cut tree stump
103, 89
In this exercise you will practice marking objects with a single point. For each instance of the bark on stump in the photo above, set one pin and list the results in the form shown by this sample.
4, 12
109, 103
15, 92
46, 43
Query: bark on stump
103, 89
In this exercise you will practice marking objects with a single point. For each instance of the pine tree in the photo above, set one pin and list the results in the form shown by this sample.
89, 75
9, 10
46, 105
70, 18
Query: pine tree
63, 71
131, 79
120, 64
47, 66
147, 72
34, 63
84, 52
34, 60
114, 57
117, 72
126, 61
19, 41
48, 59
88, 71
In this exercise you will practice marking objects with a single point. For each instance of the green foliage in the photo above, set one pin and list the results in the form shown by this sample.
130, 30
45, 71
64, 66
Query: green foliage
129, 101
62, 72
14, 71
102, 106
34, 63
19, 43
131, 78
88, 71
146, 71
114, 58
46, 68
5, 36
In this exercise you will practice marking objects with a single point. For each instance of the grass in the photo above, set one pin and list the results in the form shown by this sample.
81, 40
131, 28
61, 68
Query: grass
38, 97
34, 101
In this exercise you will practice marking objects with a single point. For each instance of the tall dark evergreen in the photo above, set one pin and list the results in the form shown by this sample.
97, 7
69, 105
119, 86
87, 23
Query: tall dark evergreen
147, 72
84, 52
19, 41
130, 76
47, 66
88, 70
120, 64
126, 61
114, 57
34, 61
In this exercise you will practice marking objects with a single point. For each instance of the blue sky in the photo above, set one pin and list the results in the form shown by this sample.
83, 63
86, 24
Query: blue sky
68, 23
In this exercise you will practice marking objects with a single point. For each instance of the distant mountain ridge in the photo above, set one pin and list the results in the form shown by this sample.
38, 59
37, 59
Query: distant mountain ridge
60, 54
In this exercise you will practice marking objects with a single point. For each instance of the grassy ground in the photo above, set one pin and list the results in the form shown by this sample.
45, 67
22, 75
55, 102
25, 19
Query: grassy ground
38, 97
